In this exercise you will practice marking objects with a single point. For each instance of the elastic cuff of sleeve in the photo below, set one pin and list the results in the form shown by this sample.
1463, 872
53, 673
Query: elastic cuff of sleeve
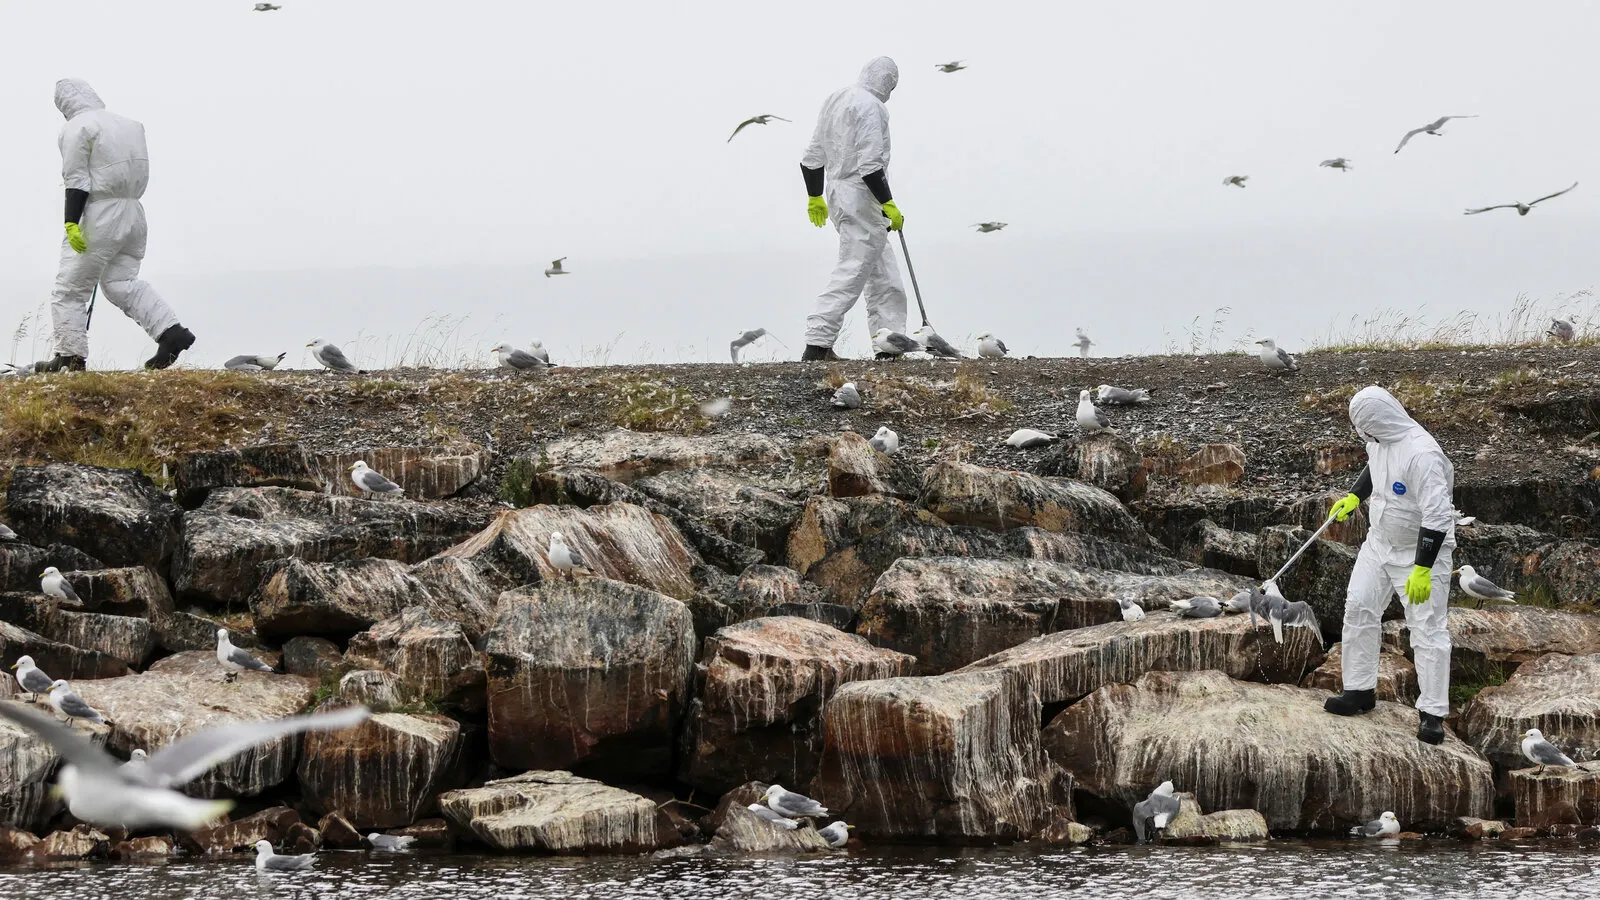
813, 179
1363, 485
878, 183
1429, 543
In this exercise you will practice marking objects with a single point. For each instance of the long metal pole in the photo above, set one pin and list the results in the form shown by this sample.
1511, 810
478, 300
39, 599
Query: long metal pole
1313, 539
913, 272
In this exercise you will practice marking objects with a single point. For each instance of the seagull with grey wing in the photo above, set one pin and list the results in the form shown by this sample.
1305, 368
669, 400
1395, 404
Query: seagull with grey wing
1541, 752
1157, 810
1198, 608
754, 120
101, 791
555, 268
234, 659
949, 67
1235, 180
885, 441
1562, 330
1115, 396
744, 340
1338, 162
390, 843
765, 814
893, 343
1383, 826
1522, 208
565, 559
66, 702
268, 861
934, 344
837, 834
848, 396
986, 227
31, 679
789, 803
1029, 438
1090, 420
267, 7
1481, 588
1280, 612
56, 585
991, 347
1131, 610
1083, 344
518, 360
371, 483
1432, 128
253, 363
332, 357
1275, 359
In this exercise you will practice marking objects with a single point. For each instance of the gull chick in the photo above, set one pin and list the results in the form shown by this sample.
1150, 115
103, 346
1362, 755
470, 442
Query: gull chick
1481, 588
56, 585
1521, 208
268, 861
837, 834
1028, 438
1090, 420
30, 678
234, 659
332, 357
766, 814
1383, 826
1276, 360
518, 360
1541, 752
252, 363
991, 347
933, 343
744, 340
886, 441
1235, 180
1131, 610
847, 396
555, 268
1430, 128
893, 343
986, 227
565, 559
369, 482
1115, 396
69, 705
1562, 330
1158, 809
1338, 162
754, 120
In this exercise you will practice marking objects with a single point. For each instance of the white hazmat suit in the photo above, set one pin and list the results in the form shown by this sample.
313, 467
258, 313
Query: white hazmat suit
852, 140
1412, 484
104, 154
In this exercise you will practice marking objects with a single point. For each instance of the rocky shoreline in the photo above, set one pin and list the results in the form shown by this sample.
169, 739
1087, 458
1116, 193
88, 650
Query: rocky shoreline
929, 644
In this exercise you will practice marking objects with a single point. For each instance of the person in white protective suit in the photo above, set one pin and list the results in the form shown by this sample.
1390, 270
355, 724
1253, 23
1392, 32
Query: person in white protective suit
105, 166
849, 157
1408, 483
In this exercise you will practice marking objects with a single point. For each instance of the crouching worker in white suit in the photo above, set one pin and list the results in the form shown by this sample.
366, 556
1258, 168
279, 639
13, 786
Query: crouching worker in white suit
105, 166
1409, 483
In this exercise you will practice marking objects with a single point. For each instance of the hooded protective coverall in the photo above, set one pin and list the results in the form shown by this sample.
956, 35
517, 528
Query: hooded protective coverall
104, 154
1411, 483
851, 141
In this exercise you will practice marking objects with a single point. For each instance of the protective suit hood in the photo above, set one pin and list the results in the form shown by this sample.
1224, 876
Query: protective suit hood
879, 77
1380, 418
74, 96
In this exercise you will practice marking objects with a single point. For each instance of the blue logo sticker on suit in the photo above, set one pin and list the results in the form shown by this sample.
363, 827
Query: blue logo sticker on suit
1399, 487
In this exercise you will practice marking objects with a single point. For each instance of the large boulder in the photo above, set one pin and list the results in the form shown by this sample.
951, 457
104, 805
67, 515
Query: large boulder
1105, 460
424, 473
1320, 577
433, 660
828, 525
1557, 694
26, 766
263, 465
1191, 826
857, 470
1068, 665
271, 824
185, 693
1397, 677
557, 812
1571, 570
741, 832
115, 515
465, 591
385, 772
734, 507
1506, 635
125, 639
965, 494
1213, 546
948, 612
626, 455
949, 758
237, 529
134, 591
763, 687
1271, 748
339, 598
1560, 795
20, 564
59, 659
593, 672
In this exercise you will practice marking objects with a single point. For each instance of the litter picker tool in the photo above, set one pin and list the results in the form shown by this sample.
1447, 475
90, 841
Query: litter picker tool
89, 316
913, 272
1309, 541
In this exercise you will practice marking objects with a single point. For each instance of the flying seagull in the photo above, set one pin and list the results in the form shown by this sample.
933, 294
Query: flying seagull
1431, 128
986, 227
991, 347
30, 678
1562, 330
266, 7
65, 701
788, 803
1521, 208
933, 343
253, 363
847, 396
512, 358
744, 340
886, 441
1275, 359
369, 482
331, 356
1158, 809
56, 585
1542, 752
781, 821
234, 659
1481, 588
268, 861
1235, 180
1083, 343
390, 843
101, 791
1383, 826
754, 120
837, 834
950, 66
1090, 420
555, 268
1028, 438
1115, 396
1338, 162
565, 559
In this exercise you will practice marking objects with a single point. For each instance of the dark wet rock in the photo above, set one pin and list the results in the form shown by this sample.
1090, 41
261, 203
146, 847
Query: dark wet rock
557, 812
1068, 665
739, 832
593, 672
426, 473
1397, 677
1560, 795
302, 838
125, 640
763, 686
227, 539
82, 842
1561, 506
373, 688
1571, 570
264, 465
1213, 464
339, 598
1557, 694
383, 773
129, 591
20, 564
311, 657
964, 494
626, 455
1063, 830
1307, 771
270, 824
192, 629
1106, 461
60, 660
27, 767
1334, 457
465, 591
739, 510
433, 660
857, 470
1469, 828
952, 758
948, 612
1320, 577
434, 834
828, 525
1215, 547
115, 515
1171, 515
338, 833
778, 591
1506, 635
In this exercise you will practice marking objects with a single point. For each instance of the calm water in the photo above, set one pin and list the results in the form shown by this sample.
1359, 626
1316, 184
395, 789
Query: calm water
1286, 870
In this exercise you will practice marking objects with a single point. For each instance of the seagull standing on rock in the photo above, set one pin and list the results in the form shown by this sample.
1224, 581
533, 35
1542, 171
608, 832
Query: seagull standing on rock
1276, 360
886, 441
1090, 420
1542, 752
934, 344
847, 396
234, 659
991, 347
332, 357
1383, 826
31, 679
56, 585
371, 483
789, 803
1562, 330
69, 705
1481, 588
565, 559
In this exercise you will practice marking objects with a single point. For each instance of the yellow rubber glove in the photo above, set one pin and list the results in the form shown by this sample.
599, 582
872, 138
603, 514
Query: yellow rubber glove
1419, 585
1347, 504
817, 209
896, 220
75, 238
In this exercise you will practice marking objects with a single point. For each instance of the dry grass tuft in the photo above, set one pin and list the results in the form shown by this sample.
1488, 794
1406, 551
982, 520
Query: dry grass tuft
1444, 402
1524, 325
962, 396
639, 403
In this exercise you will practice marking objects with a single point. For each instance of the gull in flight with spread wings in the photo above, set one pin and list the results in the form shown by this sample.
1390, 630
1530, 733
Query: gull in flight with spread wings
1430, 128
1521, 208
754, 120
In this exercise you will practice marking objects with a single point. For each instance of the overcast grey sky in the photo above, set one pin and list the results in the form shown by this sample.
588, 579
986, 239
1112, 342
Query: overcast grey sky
347, 168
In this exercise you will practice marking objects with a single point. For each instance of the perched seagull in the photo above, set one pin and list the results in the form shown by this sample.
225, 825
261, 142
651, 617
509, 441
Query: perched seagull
837, 834
1521, 208
565, 559
69, 705
1383, 826
555, 268
56, 585
933, 343
991, 347
1235, 180
1541, 752
781, 821
1090, 420
1240, 602
788, 803
894, 343
1028, 438
234, 659
847, 396
1270, 604
986, 227
390, 843
1276, 360
266, 7
1431, 128
1131, 610
1562, 330
1198, 607
31, 679
331, 356
950, 66
251, 363
1481, 588
6, 534
1115, 396
538, 352
744, 340
268, 861
1083, 343
101, 791
512, 358
1338, 162
754, 120
1158, 809
369, 482
885, 441
138, 759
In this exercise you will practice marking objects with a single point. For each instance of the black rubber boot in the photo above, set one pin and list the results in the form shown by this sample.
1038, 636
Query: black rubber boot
1351, 703
173, 341
818, 354
61, 362
1431, 729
